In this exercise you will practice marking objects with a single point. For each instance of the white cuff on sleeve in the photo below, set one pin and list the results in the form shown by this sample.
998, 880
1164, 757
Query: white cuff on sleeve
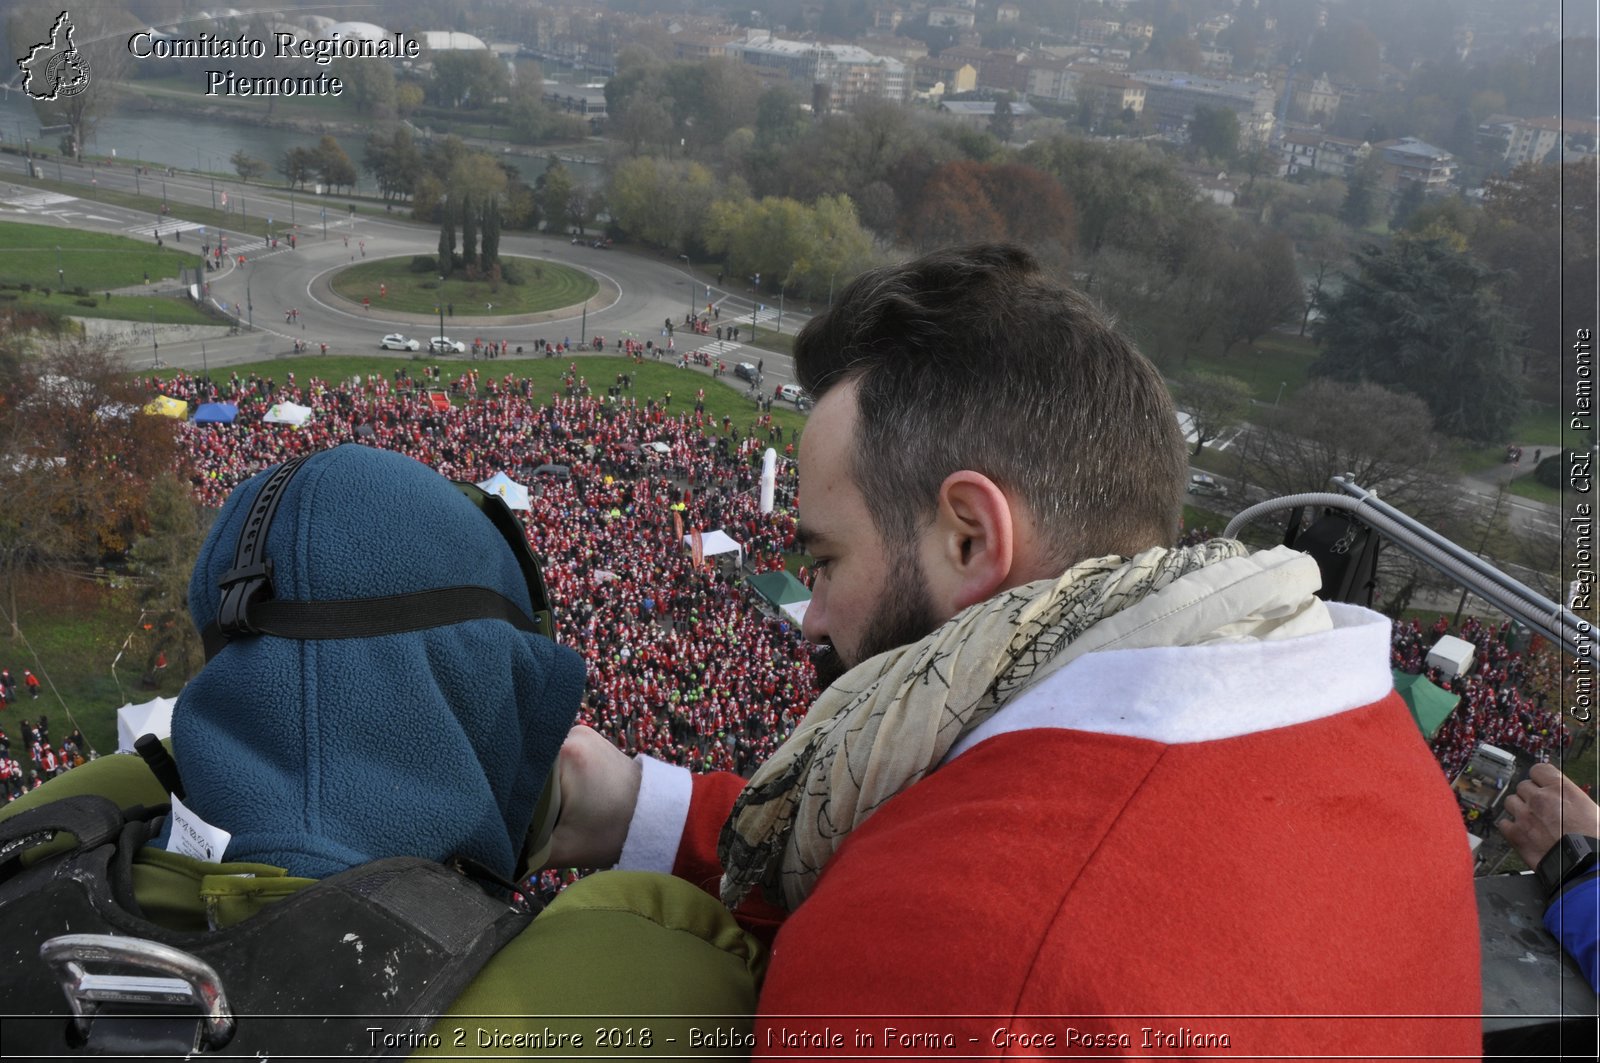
658, 817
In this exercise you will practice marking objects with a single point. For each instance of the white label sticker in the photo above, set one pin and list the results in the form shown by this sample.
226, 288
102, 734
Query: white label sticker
193, 836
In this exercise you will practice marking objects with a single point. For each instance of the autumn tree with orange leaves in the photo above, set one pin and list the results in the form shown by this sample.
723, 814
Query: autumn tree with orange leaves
970, 201
77, 456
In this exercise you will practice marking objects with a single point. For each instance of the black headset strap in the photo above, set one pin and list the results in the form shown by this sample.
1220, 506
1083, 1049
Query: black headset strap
358, 618
250, 579
249, 608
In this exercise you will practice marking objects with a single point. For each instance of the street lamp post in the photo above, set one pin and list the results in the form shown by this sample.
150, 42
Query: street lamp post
688, 268
249, 304
1281, 385
155, 344
781, 289
441, 306
213, 193
61, 276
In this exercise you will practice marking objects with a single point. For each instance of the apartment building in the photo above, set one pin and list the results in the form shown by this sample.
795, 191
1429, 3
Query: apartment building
1408, 161
846, 72
1536, 139
954, 74
1173, 96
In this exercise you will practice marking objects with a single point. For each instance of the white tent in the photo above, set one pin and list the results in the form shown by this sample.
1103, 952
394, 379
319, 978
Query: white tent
716, 542
1452, 656
288, 413
795, 612
515, 494
153, 717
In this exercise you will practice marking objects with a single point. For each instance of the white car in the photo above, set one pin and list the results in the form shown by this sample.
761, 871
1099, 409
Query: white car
446, 345
396, 342
794, 393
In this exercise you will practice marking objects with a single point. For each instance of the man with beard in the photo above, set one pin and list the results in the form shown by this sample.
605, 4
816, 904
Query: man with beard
1060, 767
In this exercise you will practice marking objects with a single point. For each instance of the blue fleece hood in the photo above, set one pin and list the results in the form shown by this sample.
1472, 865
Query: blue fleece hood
318, 755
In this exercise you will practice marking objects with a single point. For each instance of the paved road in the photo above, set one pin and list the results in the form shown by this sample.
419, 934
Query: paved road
638, 292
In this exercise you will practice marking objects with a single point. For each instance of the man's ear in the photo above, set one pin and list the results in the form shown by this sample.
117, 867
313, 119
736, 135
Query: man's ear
974, 540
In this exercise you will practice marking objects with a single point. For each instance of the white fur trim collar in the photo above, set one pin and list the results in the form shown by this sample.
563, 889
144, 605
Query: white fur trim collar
1208, 692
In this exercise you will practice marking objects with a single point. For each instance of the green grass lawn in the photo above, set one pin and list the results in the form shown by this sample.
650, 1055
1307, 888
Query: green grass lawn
162, 310
1526, 486
1220, 462
1539, 423
1195, 517
1273, 362
543, 285
96, 261
72, 629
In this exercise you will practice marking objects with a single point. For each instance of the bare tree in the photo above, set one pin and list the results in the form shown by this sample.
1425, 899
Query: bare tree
1382, 440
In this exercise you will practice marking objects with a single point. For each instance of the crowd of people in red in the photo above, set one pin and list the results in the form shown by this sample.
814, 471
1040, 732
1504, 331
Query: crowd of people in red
47, 760
1503, 695
682, 662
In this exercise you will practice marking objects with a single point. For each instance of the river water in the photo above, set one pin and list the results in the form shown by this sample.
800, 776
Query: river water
162, 139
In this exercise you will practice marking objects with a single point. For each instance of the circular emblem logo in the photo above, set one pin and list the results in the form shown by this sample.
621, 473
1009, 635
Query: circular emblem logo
68, 72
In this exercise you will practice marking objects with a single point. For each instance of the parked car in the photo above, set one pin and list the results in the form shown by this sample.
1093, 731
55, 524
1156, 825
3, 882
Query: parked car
745, 371
446, 345
1205, 484
796, 394
396, 342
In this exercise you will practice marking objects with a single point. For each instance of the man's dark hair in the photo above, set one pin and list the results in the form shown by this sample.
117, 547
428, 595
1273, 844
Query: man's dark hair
974, 358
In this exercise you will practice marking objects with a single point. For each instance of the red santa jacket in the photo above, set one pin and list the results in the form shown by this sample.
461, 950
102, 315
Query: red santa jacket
1224, 849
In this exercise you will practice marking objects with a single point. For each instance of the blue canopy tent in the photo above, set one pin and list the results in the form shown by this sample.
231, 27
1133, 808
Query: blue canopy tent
216, 413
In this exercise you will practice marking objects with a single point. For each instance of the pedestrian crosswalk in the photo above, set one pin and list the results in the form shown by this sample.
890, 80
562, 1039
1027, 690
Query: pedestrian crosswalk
1226, 439
720, 349
173, 229
758, 316
166, 228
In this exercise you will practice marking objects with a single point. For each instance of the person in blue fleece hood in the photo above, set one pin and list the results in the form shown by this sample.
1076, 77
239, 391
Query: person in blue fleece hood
320, 755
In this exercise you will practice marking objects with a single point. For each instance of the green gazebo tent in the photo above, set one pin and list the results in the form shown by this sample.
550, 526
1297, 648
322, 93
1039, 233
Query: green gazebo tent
787, 594
1430, 706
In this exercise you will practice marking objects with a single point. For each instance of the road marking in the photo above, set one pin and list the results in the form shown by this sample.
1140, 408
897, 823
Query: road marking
36, 200
719, 348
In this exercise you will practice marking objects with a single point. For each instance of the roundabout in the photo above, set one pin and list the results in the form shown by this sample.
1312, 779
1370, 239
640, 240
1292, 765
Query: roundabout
526, 286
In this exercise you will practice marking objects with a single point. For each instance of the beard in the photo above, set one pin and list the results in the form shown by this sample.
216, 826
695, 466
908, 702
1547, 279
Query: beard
905, 615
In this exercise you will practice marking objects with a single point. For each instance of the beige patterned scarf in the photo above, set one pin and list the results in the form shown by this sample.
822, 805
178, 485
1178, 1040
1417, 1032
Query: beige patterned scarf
891, 720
